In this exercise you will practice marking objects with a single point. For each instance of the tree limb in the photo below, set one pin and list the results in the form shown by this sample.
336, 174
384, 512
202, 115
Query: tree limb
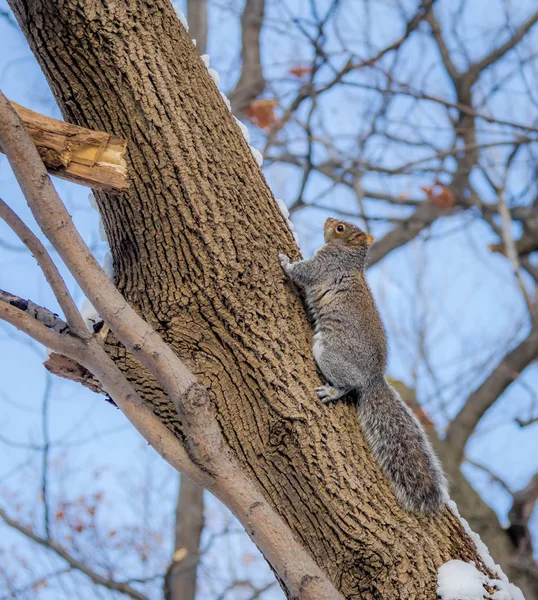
519, 516
39, 313
92, 158
251, 82
408, 230
55, 280
180, 579
507, 370
476, 68
197, 17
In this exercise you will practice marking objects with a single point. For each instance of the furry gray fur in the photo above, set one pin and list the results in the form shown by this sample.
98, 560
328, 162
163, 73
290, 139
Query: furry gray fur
350, 348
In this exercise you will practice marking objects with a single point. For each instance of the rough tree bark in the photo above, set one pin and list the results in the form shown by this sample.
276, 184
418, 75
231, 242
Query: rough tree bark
195, 246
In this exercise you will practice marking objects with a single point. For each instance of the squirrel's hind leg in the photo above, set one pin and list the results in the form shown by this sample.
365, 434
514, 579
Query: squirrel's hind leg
329, 393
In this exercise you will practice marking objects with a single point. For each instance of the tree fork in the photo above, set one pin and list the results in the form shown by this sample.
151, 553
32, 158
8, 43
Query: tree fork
195, 244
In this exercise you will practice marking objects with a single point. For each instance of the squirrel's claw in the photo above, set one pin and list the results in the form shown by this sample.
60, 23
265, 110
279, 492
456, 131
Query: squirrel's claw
328, 393
284, 261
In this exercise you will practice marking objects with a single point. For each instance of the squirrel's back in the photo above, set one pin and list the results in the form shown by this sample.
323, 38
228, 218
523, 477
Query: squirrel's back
402, 449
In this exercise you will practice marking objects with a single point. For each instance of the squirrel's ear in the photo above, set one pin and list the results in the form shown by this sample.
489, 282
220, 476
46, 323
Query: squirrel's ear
370, 239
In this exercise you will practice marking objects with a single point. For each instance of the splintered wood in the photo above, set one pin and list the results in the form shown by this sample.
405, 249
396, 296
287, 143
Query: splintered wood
92, 158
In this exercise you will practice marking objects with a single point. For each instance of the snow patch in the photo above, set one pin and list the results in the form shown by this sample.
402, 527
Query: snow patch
283, 208
226, 101
90, 315
214, 76
180, 15
258, 157
102, 232
194, 41
108, 265
458, 580
244, 129
205, 59
296, 237
480, 546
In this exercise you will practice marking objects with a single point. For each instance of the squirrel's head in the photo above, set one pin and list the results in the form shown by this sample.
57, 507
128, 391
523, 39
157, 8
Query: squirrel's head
347, 233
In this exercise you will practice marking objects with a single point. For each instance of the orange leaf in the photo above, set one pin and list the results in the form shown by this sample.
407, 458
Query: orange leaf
262, 112
440, 195
300, 71
39, 585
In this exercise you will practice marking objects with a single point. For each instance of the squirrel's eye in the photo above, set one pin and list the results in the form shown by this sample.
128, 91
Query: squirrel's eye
340, 228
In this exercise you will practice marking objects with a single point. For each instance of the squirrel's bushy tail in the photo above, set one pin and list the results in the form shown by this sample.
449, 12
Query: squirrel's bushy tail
402, 449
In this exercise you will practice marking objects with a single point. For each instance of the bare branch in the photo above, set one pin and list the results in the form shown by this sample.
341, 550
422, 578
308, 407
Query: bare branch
499, 52
197, 17
42, 315
450, 67
55, 280
251, 82
31, 318
519, 516
408, 230
511, 251
73, 562
51, 215
507, 370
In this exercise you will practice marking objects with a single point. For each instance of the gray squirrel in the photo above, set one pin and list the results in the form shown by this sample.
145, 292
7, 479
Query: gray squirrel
350, 349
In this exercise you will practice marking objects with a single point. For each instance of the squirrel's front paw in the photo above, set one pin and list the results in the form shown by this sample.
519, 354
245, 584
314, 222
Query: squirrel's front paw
284, 261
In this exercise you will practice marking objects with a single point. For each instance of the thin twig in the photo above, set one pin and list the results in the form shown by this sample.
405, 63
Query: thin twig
511, 251
55, 280
117, 586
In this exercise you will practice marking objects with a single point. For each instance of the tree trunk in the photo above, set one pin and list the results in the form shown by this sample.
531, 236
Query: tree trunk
195, 244
180, 581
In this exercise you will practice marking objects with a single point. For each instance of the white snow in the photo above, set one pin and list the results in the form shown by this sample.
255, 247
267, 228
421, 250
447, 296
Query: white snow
102, 232
480, 546
244, 129
90, 315
214, 76
205, 59
258, 157
108, 265
290, 224
180, 15
296, 237
283, 208
194, 41
458, 580
226, 101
